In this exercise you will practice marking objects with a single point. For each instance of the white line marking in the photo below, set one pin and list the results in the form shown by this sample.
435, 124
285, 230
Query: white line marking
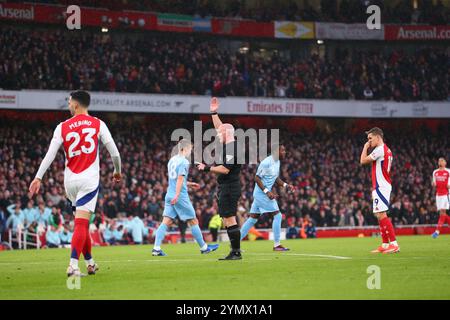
124, 261
304, 255
319, 256
273, 255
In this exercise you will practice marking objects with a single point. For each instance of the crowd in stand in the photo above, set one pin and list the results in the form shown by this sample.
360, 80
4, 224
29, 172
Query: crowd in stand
332, 188
63, 60
269, 10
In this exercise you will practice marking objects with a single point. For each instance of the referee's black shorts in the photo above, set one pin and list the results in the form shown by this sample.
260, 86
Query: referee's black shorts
228, 197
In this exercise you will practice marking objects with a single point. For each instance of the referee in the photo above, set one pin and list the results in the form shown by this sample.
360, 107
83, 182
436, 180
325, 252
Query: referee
228, 180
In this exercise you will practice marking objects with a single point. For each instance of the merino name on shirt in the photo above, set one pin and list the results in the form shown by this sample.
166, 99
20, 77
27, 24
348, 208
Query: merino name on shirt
80, 123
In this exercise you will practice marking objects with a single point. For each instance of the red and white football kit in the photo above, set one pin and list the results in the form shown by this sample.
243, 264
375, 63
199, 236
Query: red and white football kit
441, 178
381, 178
80, 137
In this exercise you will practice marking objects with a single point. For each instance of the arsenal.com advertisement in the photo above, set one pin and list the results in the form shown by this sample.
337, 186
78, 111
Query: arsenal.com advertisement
411, 32
16, 11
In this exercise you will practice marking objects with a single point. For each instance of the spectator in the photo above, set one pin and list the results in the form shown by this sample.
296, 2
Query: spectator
32, 231
15, 221
310, 230
214, 226
199, 67
52, 237
108, 233
15, 209
137, 229
151, 223
154, 207
30, 213
56, 218
119, 235
66, 235
292, 232
44, 215
55, 196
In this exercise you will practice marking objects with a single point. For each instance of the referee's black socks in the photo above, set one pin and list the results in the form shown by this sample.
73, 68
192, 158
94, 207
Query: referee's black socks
234, 233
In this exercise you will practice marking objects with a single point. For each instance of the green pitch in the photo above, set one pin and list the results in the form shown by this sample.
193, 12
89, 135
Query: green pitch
313, 269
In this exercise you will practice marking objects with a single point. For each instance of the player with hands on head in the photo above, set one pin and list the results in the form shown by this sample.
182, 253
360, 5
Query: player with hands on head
381, 161
441, 181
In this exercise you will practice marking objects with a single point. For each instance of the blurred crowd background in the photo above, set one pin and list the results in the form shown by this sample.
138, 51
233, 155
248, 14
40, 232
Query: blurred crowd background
333, 190
58, 59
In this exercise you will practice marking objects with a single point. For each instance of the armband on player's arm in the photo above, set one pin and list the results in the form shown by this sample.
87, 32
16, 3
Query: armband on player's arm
265, 190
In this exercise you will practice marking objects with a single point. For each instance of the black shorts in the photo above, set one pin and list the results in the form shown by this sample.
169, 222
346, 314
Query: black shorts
228, 197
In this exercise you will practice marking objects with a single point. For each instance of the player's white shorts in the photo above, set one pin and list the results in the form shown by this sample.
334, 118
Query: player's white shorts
82, 193
443, 202
381, 199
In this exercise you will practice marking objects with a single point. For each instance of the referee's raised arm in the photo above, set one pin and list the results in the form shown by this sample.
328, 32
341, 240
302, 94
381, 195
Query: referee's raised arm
214, 107
228, 181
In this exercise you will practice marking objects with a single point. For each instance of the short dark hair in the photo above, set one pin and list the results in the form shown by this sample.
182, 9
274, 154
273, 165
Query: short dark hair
376, 131
82, 97
183, 144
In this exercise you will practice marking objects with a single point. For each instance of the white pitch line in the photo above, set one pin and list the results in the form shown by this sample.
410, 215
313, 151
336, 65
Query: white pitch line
304, 255
187, 260
320, 256
122, 261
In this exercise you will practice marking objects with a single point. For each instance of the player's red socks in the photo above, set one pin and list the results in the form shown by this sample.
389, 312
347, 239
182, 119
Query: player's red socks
383, 231
388, 228
442, 219
87, 247
80, 234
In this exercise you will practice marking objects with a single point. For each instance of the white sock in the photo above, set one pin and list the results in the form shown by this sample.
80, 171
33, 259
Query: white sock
276, 244
157, 248
74, 263
394, 243
385, 245
205, 246
90, 262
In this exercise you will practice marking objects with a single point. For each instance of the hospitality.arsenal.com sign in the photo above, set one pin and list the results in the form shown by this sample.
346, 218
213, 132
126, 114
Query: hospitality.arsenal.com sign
184, 104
